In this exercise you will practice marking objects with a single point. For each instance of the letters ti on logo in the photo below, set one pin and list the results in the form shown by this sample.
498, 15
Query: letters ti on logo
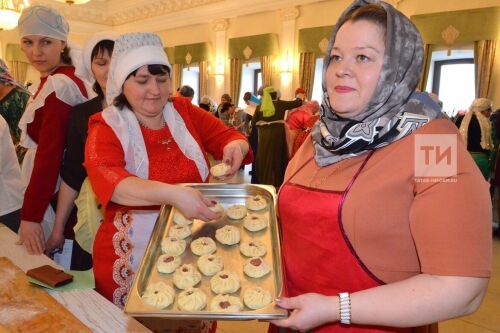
435, 157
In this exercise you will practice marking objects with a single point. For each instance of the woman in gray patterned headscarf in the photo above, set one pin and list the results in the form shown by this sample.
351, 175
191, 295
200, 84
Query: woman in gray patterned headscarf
365, 247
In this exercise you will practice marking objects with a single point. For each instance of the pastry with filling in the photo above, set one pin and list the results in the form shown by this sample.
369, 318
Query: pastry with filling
228, 235
209, 264
256, 267
256, 202
236, 212
180, 219
192, 299
179, 231
254, 222
253, 248
216, 207
173, 245
256, 298
203, 245
225, 303
167, 263
186, 276
220, 169
159, 295
225, 282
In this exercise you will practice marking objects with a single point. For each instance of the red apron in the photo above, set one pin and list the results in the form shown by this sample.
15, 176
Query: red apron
317, 256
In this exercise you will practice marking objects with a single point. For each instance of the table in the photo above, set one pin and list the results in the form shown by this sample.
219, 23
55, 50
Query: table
93, 310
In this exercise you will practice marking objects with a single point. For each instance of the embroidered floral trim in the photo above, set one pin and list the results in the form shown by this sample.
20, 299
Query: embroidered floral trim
123, 273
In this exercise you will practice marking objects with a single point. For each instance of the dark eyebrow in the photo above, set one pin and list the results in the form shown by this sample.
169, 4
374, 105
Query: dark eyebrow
359, 48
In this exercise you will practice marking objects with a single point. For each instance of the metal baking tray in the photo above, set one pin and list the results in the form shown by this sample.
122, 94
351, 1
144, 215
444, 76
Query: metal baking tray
227, 195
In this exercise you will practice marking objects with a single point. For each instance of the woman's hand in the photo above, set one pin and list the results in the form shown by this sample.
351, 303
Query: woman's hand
233, 154
308, 311
31, 235
192, 204
55, 241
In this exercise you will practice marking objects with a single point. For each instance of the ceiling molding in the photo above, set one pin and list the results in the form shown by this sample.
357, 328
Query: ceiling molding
157, 15
118, 12
224, 10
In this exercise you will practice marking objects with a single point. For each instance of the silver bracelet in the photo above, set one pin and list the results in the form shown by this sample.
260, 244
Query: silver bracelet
345, 308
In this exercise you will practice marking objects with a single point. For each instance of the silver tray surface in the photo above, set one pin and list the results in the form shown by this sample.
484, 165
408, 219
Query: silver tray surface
227, 195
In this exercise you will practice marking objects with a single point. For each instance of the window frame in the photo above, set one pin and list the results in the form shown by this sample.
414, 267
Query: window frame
256, 73
436, 78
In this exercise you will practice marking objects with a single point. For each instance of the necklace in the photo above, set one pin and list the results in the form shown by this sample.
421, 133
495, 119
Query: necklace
166, 141
163, 124
316, 181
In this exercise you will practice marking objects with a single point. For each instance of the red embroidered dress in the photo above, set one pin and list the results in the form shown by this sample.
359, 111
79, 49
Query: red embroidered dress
105, 165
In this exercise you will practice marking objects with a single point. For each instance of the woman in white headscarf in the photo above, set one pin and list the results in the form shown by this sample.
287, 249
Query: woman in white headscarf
93, 70
138, 148
475, 129
44, 124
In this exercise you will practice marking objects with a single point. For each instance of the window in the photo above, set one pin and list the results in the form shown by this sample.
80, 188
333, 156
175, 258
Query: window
317, 94
452, 79
191, 77
251, 80
257, 81
453, 82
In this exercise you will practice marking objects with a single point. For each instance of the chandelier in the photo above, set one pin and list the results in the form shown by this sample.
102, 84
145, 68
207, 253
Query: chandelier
10, 10
73, 2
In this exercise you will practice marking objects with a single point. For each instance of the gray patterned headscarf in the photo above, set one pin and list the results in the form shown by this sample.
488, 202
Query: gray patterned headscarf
395, 109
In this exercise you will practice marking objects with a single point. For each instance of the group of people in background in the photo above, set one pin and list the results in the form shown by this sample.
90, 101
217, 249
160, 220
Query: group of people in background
479, 128
112, 136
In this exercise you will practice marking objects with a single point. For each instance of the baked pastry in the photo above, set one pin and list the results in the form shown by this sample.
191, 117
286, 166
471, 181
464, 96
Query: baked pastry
209, 264
220, 169
180, 219
256, 202
236, 212
217, 207
159, 295
192, 299
256, 267
179, 231
228, 235
167, 263
254, 222
253, 248
256, 297
203, 245
186, 276
225, 303
173, 245
225, 282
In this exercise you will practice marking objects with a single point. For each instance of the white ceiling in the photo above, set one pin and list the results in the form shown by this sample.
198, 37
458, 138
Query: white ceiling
118, 14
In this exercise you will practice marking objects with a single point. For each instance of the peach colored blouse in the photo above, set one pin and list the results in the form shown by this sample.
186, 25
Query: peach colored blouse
400, 227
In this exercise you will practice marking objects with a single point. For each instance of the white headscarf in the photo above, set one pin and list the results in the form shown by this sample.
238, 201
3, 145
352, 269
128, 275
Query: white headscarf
43, 21
477, 106
84, 68
131, 52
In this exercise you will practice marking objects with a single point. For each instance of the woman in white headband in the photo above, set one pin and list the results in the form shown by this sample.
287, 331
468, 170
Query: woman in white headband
137, 148
44, 124
93, 70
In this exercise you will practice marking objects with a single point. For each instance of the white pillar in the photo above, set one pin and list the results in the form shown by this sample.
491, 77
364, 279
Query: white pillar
219, 63
287, 57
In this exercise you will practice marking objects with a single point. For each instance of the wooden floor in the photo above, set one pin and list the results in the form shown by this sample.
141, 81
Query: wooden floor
485, 320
